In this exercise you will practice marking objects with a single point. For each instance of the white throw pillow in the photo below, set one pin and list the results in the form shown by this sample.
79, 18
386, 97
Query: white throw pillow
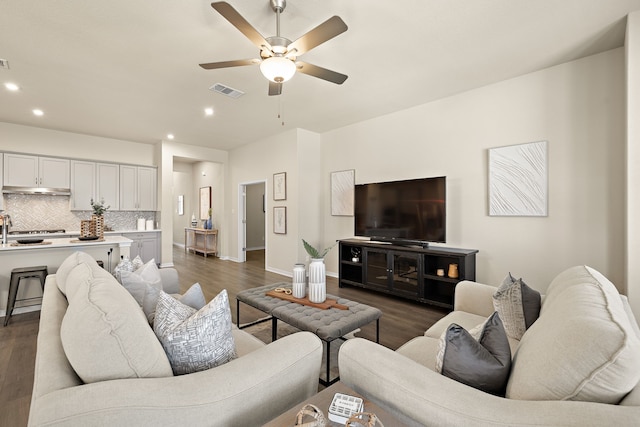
104, 334
195, 340
136, 282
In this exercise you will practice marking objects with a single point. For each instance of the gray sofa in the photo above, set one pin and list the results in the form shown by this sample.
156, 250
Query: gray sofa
263, 382
584, 348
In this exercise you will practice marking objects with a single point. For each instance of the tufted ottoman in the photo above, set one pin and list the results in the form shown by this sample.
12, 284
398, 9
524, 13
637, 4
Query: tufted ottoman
328, 325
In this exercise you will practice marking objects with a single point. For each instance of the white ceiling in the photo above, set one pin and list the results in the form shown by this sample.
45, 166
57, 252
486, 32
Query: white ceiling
129, 69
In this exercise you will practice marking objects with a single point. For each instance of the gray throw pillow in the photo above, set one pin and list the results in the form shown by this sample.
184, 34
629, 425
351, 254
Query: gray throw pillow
195, 340
518, 306
194, 298
484, 363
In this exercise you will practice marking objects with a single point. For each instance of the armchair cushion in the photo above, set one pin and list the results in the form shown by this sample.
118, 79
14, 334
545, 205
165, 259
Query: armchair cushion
583, 346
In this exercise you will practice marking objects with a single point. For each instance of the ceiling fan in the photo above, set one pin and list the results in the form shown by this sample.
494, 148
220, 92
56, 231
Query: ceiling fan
278, 55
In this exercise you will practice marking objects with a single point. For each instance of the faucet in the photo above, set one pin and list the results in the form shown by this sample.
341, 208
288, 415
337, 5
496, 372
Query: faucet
6, 223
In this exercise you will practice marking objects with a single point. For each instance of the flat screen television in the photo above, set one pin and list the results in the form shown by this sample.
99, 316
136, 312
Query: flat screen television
409, 212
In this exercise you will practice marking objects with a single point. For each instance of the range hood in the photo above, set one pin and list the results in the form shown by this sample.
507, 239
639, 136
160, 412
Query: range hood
7, 189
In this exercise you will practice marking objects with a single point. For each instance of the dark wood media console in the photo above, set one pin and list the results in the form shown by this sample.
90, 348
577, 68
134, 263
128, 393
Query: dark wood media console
406, 271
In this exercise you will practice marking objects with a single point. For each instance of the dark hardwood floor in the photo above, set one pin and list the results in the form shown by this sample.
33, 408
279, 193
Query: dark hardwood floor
401, 320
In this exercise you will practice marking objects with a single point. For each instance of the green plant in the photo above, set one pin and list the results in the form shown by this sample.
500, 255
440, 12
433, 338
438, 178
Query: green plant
313, 252
98, 207
210, 212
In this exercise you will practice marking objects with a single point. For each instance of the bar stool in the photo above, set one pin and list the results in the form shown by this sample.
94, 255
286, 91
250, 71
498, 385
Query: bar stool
18, 274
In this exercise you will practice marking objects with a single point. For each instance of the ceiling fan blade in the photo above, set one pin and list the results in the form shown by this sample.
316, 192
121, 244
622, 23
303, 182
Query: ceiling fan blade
227, 64
275, 88
326, 31
232, 15
321, 73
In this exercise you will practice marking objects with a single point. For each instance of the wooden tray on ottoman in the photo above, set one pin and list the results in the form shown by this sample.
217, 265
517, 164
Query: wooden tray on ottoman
327, 304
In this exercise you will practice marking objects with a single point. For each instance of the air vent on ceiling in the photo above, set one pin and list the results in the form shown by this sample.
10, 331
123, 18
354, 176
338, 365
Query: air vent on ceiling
226, 90
4, 64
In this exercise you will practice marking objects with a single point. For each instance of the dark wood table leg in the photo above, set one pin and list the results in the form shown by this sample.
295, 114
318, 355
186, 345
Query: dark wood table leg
274, 329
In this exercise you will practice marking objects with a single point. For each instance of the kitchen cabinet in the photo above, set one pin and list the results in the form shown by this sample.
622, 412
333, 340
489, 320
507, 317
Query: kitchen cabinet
22, 170
146, 244
108, 184
83, 184
97, 181
138, 188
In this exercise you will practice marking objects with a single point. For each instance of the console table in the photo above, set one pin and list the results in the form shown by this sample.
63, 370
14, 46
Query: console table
201, 240
420, 274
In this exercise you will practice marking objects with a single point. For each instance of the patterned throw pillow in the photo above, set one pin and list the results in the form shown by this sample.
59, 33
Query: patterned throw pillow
195, 340
518, 306
480, 358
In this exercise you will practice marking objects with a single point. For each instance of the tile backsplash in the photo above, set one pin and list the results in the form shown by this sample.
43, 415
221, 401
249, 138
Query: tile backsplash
45, 212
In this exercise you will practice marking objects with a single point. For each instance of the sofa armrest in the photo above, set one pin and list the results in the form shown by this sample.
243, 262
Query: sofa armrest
474, 298
249, 390
420, 396
170, 281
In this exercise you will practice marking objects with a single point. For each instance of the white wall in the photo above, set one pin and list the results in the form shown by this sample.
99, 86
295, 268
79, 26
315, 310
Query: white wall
182, 186
578, 107
26, 139
170, 152
633, 160
258, 162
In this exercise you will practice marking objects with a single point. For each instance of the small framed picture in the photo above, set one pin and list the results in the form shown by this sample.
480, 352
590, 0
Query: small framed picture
280, 186
280, 220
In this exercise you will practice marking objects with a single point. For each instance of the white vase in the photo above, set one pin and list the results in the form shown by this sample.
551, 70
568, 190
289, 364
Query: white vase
299, 281
317, 281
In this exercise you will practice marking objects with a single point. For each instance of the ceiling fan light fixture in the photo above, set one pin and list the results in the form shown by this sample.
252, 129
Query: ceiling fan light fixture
278, 69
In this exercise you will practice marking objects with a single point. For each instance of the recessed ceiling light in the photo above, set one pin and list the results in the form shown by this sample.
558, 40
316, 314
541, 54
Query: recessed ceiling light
38, 112
208, 111
170, 136
11, 86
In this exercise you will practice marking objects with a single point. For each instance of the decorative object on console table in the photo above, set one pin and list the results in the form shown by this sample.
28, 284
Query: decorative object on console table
208, 225
299, 281
453, 271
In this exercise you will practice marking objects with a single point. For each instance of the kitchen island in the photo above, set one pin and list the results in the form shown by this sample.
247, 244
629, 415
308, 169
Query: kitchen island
52, 252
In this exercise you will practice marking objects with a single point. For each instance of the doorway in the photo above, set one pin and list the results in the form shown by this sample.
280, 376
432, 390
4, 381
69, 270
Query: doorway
252, 220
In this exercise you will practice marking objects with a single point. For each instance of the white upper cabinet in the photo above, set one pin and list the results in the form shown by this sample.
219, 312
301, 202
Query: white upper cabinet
32, 171
138, 188
97, 181
108, 185
83, 184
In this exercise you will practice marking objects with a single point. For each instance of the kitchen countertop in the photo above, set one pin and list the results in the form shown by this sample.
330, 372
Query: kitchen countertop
66, 242
74, 233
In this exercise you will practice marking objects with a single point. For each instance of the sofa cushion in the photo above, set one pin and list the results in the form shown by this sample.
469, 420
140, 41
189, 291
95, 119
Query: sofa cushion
104, 333
582, 347
518, 306
68, 264
195, 340
423, 350
482, 361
